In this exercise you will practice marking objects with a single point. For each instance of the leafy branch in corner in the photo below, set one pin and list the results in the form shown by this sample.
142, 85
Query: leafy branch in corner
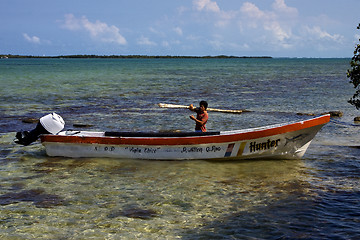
354, 75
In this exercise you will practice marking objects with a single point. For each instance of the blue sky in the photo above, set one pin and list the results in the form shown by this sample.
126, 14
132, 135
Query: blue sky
278, 28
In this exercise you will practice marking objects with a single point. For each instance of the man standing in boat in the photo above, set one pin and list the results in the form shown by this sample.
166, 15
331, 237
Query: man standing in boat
201, 117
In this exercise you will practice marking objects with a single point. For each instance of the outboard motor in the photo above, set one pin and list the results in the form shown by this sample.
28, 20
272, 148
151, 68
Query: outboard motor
49, 124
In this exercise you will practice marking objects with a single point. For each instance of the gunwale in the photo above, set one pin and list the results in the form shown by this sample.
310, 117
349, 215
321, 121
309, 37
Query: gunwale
223, 137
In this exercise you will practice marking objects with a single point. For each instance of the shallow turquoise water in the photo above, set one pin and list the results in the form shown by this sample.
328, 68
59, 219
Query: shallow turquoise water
59, 198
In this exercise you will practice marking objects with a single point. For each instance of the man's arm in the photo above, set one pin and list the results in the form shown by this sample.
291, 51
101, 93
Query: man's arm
201, 122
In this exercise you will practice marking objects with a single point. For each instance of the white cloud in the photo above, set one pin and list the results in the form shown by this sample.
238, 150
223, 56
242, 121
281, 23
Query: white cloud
206, 5
98, 30
221, 18
278, 27
145, 41
277, 30
72, 23
251, 27
252, 11
255, 18
33, 39
179, 31
317, 33
280, 6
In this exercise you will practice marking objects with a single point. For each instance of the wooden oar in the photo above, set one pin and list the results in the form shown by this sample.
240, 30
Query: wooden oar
165, 105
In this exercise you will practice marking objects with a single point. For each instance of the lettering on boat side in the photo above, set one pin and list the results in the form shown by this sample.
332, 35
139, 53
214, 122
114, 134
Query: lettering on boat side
254, 146
154, 150
213, 149
146, 150
192, 149
200, 149
133, 149
150, 150
106, 149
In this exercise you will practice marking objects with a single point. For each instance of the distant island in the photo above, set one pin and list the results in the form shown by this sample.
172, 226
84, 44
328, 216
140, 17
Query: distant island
123, 56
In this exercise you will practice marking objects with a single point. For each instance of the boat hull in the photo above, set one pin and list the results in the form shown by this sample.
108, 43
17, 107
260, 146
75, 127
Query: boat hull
282, 141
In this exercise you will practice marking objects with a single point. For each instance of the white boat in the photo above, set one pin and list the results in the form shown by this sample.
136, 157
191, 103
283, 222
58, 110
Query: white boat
280, 141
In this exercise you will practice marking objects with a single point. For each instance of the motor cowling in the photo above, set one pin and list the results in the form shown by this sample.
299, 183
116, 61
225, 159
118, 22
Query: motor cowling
48, 124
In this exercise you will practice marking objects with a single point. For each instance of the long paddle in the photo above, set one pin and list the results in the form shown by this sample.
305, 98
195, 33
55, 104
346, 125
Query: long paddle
165, 105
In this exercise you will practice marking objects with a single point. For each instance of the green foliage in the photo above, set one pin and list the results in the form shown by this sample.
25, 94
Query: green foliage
354, 75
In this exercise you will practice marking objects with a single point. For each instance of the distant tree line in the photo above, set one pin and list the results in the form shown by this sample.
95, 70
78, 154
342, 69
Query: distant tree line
124, 56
